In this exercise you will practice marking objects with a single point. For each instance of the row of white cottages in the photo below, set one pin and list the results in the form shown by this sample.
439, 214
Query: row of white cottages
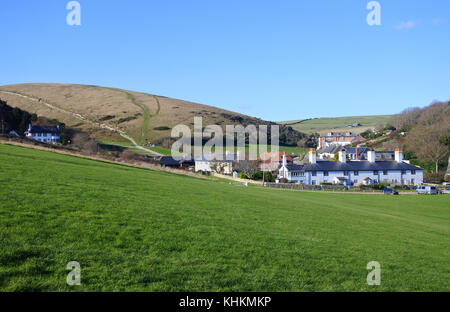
355, 172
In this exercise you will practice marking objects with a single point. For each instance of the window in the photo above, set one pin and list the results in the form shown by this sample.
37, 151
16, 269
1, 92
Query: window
413, 181
385, 172
355, 181
346, 173
403, 171
314, 173
356, 173
325, 173
375, 172
413, 172
313, 182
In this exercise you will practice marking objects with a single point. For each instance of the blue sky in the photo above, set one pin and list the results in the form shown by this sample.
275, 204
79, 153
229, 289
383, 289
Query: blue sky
276, 60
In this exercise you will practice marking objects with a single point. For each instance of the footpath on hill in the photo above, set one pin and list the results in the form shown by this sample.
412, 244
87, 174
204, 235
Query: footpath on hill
84, 119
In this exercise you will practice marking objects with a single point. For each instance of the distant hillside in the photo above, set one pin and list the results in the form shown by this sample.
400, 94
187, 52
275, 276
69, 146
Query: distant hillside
146, 118
324, 125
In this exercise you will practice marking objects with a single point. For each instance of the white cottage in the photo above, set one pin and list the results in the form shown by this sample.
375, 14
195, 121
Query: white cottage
353, 172
44, 133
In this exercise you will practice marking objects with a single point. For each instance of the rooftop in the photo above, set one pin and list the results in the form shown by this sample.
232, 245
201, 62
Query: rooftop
353, 166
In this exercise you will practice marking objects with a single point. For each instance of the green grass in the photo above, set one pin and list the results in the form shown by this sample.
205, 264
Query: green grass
133, 229
324, 125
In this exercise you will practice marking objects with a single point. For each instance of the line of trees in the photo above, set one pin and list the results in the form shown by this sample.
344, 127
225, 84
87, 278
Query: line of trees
428, 132
14, 119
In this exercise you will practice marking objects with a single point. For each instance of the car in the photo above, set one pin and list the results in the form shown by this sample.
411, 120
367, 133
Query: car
389, 191
446, 190
427, 189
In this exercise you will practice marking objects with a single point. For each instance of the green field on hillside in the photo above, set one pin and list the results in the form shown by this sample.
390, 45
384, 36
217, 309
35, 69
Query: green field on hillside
338, 124
134, 229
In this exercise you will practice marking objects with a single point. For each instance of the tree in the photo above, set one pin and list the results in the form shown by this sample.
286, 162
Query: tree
429, 139
83, 142
247, 167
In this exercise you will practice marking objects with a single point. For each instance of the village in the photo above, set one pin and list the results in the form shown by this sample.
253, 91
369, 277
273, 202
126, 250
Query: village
339, 163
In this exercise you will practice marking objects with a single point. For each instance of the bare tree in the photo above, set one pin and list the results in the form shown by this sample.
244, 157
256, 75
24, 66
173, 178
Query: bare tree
248, 167
83, 142
406, 118
218, 167
429, 139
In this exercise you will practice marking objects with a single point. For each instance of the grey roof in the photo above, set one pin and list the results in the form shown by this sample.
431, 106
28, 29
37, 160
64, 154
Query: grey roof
353, 166
359, 166
295, 167
170, 161
337, 134
44, 129
361, 150
330, 149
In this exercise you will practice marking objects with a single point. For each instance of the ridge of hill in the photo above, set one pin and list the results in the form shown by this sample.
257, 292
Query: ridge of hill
147, 118
338, 124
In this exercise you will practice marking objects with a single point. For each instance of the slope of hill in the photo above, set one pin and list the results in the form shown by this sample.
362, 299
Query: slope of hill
338, 124
133, 229
145, 117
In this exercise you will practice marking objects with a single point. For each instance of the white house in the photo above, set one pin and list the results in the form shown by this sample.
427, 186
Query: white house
353, 172
44, 134
212, 163
338, 138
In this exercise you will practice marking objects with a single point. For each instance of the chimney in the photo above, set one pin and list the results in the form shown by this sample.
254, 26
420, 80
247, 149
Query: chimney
398, 155
371, 156
312, 156
284, 160
342, 156
357, 153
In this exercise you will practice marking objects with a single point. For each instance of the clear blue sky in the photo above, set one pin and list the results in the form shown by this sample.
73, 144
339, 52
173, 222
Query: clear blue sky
276, 60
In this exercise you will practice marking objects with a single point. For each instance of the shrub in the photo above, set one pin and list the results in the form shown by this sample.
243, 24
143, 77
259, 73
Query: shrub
162, 128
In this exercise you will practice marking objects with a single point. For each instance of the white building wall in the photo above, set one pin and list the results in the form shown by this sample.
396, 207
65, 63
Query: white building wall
202, 166
393, 177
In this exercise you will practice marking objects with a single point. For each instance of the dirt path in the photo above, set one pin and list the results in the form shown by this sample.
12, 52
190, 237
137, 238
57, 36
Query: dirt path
82, 118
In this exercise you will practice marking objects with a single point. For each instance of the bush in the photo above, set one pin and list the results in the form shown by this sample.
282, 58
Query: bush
268, 176
130, 156
242, 176
163, 128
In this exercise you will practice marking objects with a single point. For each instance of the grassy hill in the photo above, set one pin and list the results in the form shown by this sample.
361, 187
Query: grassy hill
135, 229
144, 117
324, 125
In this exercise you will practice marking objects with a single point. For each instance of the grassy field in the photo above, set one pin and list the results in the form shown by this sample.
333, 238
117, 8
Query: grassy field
338, 124
134, 229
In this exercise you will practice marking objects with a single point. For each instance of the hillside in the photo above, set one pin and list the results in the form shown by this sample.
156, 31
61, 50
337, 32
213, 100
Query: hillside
146, 118
133, 229
338, 124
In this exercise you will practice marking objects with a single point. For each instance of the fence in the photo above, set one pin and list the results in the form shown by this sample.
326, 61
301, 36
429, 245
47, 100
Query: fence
334, 187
